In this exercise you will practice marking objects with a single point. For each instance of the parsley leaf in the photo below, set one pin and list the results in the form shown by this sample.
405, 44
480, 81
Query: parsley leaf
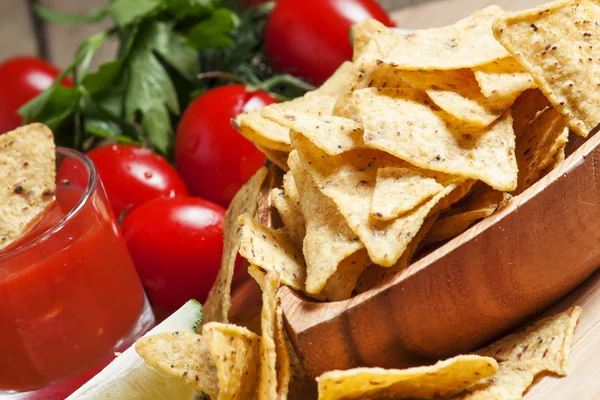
96, 15
150, 91
126, 12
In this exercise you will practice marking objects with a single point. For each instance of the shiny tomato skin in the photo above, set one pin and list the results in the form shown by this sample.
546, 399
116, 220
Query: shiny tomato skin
311, 38
133, 175
211, 156
176, 246
21, 79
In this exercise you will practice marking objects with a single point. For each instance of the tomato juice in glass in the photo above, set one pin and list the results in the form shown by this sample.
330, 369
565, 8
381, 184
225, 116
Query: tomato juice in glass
69, 292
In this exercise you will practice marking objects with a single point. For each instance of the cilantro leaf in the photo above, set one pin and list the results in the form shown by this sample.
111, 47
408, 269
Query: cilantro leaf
174, 49
150, 91
96, 15
126, 12
187, 8
214, 31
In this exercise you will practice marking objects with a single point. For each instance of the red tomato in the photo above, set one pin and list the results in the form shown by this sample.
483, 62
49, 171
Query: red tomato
176, 246
311, 38
22, 79
133, 175
212, 157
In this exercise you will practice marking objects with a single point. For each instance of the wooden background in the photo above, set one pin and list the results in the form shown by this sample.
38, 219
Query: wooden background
17, 30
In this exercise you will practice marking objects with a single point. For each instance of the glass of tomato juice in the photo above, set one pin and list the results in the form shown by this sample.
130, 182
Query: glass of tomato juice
69, 292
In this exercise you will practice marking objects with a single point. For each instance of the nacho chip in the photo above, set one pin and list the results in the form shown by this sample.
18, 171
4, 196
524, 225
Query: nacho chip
558, 45
274, 359
459, 219
333, 135
375, 275
349, 180
526, 109
216, 307
402, 123
399, 190
272, 252
235, 351
509, 383
342, 283
293, 221
466, 44
368, 72
502, 81
363, 32
278, 158
548, 339
537, 146
440, 380
262, 131
329, 240
181, 354
27, 173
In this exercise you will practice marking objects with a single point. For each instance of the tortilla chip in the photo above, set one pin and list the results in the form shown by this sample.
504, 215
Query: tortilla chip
278, 158
399, 190
181, 354
528, 106
474, 111
363, 32
272, 252
459, 219
368, 72
548, 339
558, 158
261, 131
509, 383
440, 380
329, 240
468, 43
333, 135
537, 146
375, 275
320, 100
342, 283
558, 45
457, 194
349, 180
235, 351
402, 123
502, 81
28, 174
274, 358
216, 307
291, 215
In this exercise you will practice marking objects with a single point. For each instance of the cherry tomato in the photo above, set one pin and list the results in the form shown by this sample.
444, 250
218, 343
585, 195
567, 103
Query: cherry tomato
311, 38
22, 79
176, 246
133, 175
212, 157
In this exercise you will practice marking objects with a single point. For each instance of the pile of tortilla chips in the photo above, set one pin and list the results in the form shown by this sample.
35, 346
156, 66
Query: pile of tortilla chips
407, 146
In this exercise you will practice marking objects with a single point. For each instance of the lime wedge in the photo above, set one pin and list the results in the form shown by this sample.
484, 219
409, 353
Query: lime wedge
129, 378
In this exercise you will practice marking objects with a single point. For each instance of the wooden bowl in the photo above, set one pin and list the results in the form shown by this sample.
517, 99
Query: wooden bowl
484, 282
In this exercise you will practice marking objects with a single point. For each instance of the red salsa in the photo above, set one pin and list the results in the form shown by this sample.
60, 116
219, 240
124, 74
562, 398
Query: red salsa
66, 301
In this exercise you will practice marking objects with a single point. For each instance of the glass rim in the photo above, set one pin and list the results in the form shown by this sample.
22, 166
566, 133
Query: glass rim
91, 184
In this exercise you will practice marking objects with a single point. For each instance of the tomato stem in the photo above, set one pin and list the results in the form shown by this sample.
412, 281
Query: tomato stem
221, 75
287, 80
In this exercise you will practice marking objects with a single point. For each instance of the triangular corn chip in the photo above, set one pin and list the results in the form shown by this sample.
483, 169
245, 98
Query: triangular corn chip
329, 239
271, 251
181, 354
235, 351
349, 180
218, 303
466, 44
401, 122
436, 381
502, 81
555, 45
27, 173
399, 190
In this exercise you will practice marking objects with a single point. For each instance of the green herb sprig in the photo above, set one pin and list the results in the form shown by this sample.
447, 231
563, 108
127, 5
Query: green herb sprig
169, 52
